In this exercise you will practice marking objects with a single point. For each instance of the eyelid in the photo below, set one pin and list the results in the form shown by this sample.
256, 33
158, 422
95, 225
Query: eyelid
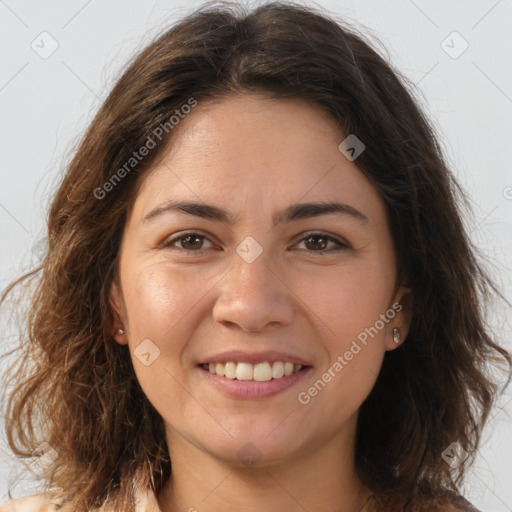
342, 243
316, 232
178, 236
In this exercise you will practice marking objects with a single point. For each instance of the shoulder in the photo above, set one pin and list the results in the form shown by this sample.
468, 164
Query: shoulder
37, 503
51, 502
446, 502
449, 502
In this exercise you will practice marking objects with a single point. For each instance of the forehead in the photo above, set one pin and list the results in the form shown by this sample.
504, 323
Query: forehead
250, 150
251, 130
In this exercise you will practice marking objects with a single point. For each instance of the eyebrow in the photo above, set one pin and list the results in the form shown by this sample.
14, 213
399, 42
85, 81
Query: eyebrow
290, 213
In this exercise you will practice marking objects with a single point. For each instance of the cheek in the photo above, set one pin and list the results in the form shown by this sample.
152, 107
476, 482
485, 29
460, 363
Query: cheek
348, 300
160, 305
346, 306
158, 300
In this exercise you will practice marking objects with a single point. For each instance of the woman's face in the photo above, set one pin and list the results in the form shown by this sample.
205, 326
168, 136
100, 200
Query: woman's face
252, 272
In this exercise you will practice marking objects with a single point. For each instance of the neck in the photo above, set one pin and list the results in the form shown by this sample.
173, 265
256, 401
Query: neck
323, 479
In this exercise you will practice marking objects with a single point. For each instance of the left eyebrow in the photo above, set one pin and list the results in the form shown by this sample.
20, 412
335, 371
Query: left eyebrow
289, 214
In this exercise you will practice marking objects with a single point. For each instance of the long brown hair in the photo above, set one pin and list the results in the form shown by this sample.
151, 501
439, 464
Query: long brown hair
83, 395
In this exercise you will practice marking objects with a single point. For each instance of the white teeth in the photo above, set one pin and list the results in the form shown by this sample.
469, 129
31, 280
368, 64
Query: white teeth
261, 372
244, 371
229, 370
277, 370
219, 369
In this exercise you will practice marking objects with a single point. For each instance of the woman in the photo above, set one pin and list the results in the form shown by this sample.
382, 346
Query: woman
258, 292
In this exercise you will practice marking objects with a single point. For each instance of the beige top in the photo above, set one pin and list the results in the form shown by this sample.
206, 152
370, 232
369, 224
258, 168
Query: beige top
146, 502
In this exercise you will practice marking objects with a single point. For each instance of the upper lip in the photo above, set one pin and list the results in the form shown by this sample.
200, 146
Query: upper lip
241, 356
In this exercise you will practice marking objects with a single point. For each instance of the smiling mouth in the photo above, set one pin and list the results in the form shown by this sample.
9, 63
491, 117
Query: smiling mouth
260, 372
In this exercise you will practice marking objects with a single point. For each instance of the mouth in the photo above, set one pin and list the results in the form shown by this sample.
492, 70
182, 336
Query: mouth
259, 372
247, 381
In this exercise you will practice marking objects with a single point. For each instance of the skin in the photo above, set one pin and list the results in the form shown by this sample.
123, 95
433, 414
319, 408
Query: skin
253, 156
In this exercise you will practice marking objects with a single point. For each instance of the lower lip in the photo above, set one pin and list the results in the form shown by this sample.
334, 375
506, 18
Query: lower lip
250, 389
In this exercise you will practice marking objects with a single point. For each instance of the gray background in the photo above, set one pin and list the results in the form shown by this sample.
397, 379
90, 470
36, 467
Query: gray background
46, 103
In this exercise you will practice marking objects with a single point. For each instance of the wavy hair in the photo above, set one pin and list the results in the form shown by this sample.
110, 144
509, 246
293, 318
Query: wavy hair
76, 389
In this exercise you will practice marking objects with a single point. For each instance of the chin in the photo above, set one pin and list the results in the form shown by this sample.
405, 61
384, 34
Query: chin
259, 450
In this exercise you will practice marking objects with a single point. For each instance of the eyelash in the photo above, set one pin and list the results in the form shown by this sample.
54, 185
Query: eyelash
341, 245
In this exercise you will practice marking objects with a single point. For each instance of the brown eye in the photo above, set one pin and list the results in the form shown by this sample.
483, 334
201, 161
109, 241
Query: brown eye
314, 242
192, 242
318, 242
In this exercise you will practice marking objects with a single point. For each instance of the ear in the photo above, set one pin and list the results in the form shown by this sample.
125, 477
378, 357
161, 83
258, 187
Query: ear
402, 306
118, 314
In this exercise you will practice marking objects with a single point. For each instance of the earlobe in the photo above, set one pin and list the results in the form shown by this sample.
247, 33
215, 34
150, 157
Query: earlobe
399, 326
394, 339
396, 335
116, 306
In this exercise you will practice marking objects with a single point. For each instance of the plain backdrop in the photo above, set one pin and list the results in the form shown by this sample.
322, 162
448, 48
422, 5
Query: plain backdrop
457, 53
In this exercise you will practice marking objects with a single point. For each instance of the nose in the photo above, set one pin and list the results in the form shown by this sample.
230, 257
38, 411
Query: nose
254, 297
